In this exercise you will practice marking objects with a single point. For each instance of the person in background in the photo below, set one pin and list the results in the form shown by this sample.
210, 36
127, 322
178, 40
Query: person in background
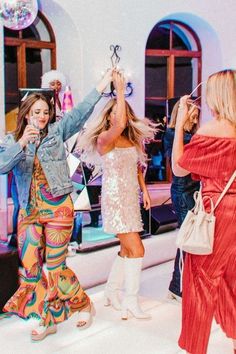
209, 281
116, 139
36, 155
93, 193
55, 80
182, 188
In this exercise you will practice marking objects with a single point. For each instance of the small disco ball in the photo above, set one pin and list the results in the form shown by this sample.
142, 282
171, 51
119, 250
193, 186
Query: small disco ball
18, 14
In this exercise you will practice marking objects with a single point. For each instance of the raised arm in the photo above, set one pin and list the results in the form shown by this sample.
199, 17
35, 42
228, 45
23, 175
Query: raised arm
11, 153
73, 121
107, 138
178, 144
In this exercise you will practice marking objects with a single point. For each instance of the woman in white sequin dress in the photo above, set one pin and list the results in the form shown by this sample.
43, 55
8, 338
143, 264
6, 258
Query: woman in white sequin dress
120, 191
117, 136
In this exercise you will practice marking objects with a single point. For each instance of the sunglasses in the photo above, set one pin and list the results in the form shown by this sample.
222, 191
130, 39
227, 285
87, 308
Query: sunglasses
195, 89
193, 102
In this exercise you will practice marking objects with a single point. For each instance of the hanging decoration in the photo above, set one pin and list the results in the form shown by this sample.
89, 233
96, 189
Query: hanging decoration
115, 58
18, 14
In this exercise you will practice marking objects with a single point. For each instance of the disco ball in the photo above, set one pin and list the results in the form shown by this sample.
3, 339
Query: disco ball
18, 14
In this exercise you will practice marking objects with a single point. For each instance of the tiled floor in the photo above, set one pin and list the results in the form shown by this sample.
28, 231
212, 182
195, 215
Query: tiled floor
110, 335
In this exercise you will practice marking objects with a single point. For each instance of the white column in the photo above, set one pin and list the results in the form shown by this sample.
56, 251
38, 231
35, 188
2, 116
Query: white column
3, 179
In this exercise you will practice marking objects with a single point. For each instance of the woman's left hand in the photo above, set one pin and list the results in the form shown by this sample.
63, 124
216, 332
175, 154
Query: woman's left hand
119, 81
182, 115
146, 200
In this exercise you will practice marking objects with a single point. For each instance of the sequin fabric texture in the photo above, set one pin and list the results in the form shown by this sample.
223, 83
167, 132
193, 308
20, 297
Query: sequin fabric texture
120, 191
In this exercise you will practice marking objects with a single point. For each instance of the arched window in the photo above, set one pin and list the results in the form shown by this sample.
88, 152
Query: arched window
28, 54
172, 69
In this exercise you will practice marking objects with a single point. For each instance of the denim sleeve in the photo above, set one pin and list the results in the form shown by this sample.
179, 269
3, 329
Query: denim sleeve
11, 153
73, 121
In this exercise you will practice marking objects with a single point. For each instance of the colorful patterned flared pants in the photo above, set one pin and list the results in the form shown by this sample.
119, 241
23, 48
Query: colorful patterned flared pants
45, 232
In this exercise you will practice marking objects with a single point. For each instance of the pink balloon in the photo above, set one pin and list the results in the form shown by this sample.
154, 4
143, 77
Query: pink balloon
18, 14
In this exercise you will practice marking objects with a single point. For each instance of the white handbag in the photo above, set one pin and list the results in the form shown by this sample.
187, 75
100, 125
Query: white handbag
196, 234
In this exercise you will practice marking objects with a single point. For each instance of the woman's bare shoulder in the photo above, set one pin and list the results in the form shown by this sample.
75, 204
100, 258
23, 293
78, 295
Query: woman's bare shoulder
102, 146
206, 128
218, 129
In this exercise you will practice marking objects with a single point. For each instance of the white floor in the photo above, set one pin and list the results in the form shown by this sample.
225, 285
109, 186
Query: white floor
108, 334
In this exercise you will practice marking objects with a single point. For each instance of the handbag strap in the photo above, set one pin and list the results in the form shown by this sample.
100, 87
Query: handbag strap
232, 178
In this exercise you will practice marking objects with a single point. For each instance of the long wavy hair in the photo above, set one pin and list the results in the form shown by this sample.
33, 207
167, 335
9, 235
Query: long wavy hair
188, 123
25, 107
221, 94
137, 131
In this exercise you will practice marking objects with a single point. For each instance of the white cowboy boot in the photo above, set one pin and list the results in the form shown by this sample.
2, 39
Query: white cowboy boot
133, 267
114, 284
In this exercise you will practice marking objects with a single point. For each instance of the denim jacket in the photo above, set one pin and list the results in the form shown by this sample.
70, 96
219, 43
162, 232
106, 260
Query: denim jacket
51, 153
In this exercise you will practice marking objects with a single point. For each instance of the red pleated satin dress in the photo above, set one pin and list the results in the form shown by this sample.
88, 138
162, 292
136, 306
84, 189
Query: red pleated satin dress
209, 282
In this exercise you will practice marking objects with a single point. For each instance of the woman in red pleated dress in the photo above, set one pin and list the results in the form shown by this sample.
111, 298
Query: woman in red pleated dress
209, 282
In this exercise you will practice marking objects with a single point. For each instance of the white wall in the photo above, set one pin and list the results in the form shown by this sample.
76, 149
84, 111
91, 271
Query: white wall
2, 99
3, 179
85, 30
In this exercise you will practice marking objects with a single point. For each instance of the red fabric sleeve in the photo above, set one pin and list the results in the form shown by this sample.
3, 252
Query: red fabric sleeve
209, 156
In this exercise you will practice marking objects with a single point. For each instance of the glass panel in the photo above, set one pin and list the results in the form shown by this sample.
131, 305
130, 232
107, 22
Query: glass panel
155, 109
183, 76
159, 37
38, 61
194, 63
33, 68
185, 36
42, 30
156, 168
30, 33
180, 39
37, 31
10, 33
11, 86
46, 60
94, 234
156, 76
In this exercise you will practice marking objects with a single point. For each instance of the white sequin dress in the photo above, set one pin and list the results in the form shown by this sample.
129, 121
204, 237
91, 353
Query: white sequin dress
120, 191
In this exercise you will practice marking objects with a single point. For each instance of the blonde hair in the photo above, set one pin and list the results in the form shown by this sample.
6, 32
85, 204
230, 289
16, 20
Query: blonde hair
221, 94
136, 131
174, 114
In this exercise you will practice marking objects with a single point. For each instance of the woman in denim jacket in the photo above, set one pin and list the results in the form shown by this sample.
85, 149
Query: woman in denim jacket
182, 188
37, 157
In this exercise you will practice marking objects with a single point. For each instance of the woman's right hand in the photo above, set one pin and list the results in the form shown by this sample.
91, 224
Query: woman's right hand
182, 114
105, 81
30, 133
